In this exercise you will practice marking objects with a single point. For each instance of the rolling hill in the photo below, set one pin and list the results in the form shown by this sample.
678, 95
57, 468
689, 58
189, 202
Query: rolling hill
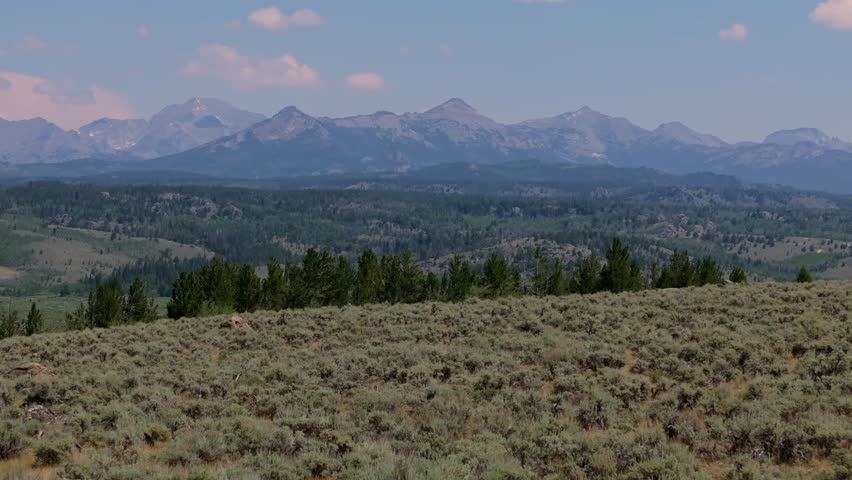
710, 383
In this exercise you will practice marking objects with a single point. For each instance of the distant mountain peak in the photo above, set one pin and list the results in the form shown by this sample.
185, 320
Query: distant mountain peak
678, 132
807, 135
453, 106
583, 112
287, 124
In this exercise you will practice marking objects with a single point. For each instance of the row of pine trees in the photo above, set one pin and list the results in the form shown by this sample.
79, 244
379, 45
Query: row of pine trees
322, 279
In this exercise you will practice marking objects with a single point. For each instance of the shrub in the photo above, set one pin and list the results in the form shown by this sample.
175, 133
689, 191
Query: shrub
51, 453
11, 441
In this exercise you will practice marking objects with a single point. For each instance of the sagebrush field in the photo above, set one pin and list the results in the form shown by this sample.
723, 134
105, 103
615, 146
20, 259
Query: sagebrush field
733, 382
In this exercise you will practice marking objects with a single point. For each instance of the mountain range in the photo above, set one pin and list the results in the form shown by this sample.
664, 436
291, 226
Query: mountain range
174, 129
207, 136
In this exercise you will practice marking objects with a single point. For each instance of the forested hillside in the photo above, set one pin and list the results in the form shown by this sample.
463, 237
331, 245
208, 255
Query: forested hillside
702, 383
771, 238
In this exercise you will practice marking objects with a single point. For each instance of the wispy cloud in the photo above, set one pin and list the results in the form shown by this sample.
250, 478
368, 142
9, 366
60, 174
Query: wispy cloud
63, 103
246, 72
30, 42
834, 14
273, 19
366, 81
736, 32
142, 31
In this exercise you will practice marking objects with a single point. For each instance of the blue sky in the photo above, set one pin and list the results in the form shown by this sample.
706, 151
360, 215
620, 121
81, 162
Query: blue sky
734, 68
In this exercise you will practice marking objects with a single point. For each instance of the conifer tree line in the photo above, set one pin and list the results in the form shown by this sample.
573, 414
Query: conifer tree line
12, 325
108, 305
322, 279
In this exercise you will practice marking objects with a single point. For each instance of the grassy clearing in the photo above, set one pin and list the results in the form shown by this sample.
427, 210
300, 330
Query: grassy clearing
718, 382
843, 270
54, 307
46, 256
790, 249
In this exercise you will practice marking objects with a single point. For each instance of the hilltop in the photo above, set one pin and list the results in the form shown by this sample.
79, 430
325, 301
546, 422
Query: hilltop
715, 382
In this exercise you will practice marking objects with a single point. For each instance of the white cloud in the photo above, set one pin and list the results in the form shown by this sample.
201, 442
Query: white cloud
63, 103
65, 92
736, 32
142, 31
366, 81
228, 64
834, 14
271, 18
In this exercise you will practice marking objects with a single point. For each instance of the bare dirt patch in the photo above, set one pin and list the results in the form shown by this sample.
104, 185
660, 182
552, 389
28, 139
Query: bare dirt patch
8, 274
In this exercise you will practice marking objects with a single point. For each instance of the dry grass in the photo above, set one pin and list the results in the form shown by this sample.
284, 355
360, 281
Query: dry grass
8, 274
60, 255
718, 382
790, 248
842, 271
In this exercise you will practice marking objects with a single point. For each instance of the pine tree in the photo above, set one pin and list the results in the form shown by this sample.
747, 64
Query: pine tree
804, 276
738, 275
391, 268
138, 307
9, 324
297, 292
460, 279
411, 279
586, 277
79, 319
344, 277
432, 287
318, 270
498, 278
708, 272
34, 322
248, 290
556, 284
620, 274
187, 297
218, 281
274, 289
368, 285
541, 276
679, 273
107, 305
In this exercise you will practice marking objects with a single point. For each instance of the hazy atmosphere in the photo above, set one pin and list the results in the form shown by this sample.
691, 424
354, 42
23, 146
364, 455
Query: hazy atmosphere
438, 240
738, 70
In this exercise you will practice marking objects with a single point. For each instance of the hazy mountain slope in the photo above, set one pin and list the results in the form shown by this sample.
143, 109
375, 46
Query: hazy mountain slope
807, 135
37, 140
177, 128
210, 137
174, 129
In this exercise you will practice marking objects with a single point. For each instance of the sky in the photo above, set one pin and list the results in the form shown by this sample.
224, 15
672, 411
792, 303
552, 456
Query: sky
737, 69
